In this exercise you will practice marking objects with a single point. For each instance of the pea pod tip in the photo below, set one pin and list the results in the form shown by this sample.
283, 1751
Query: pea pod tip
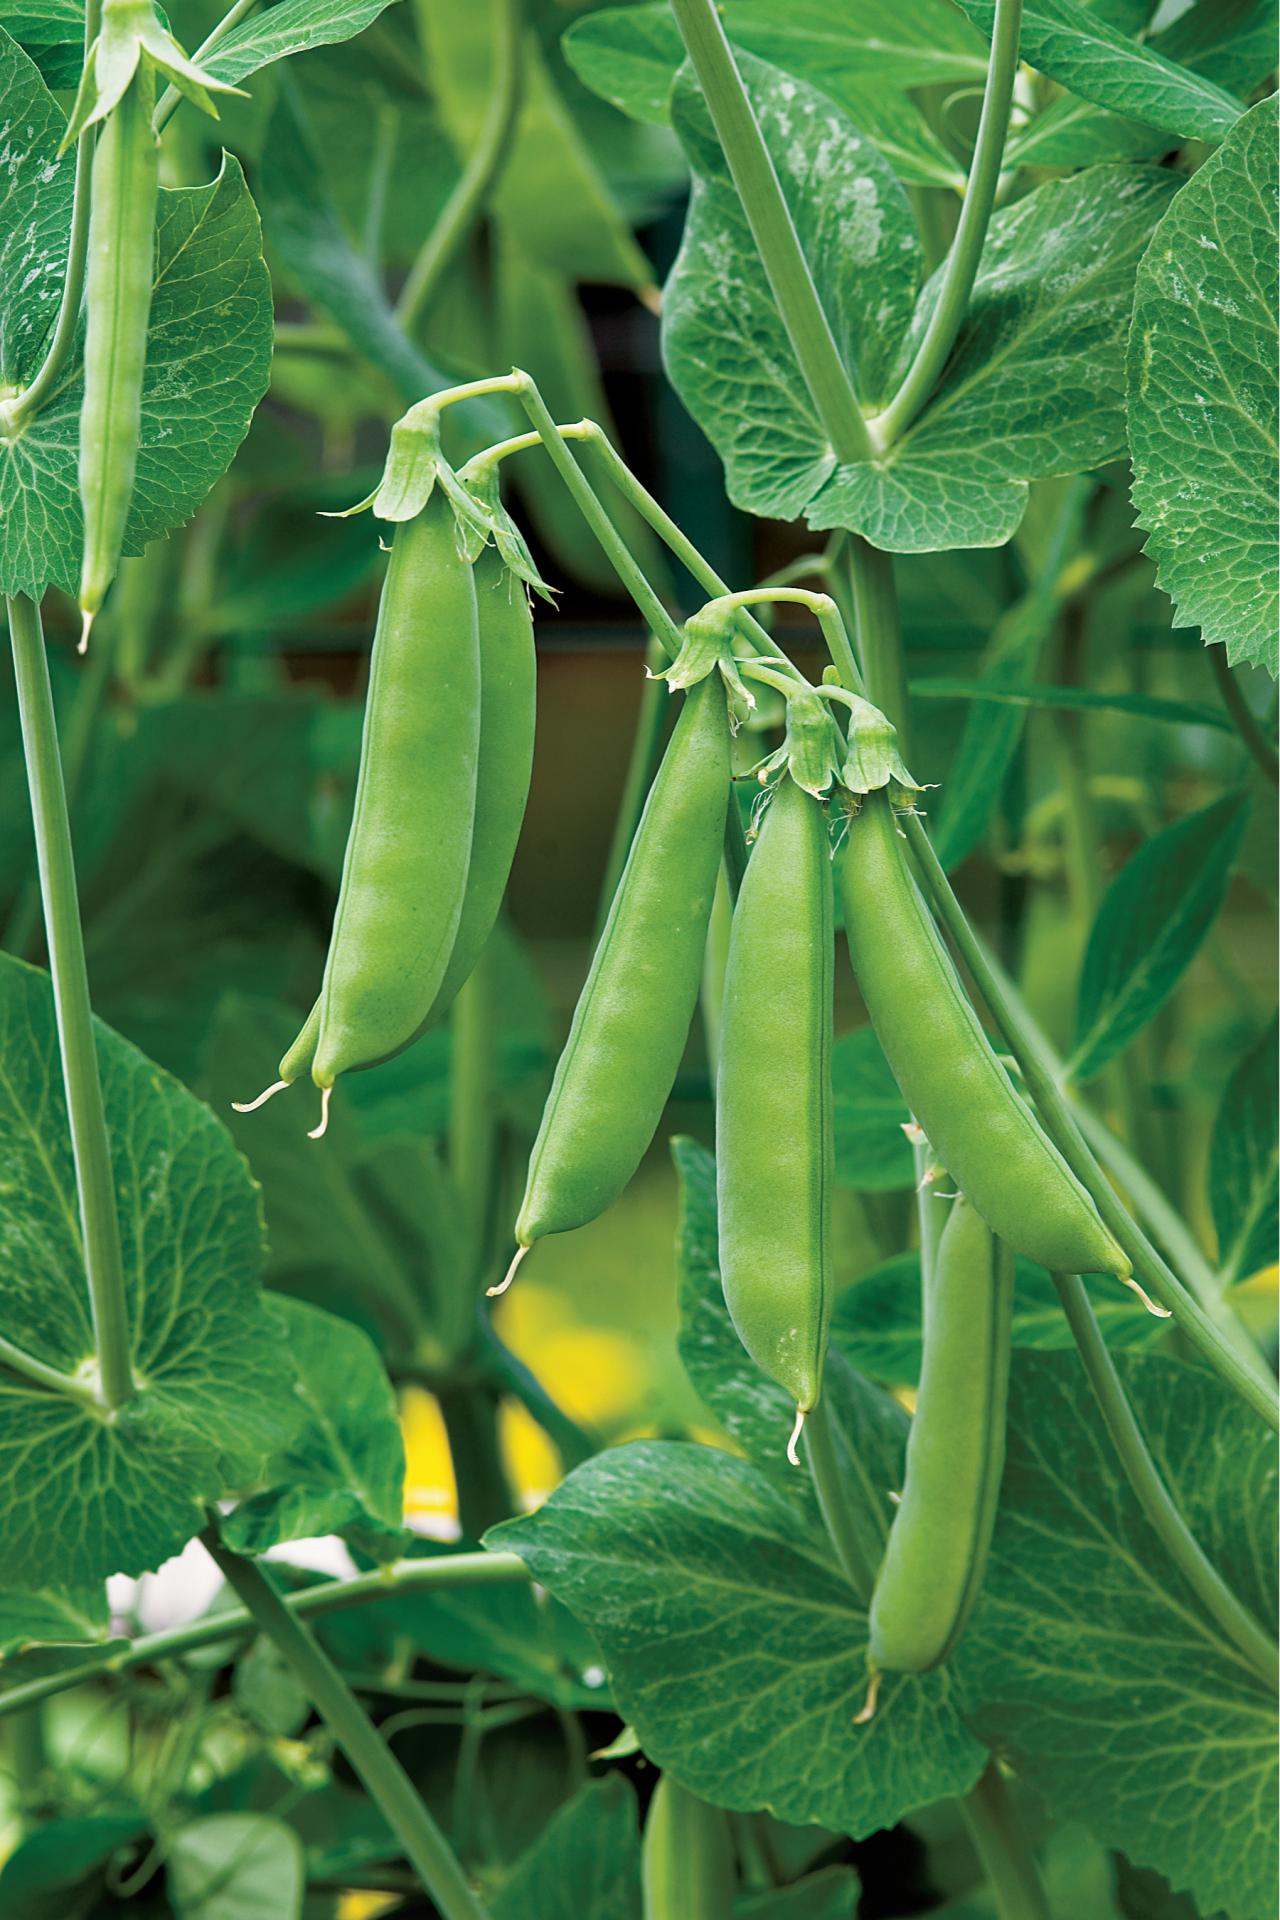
86, 625
793, 1444
320, 1129
268, 1093
1152, 1306
866, 1712
508, 1276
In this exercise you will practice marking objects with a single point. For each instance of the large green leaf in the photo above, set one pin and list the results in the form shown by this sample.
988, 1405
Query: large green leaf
208, 347
1202, 396
723, 341
82, 1497
585, 1866
1243, 1161
861, 57
1035, 384
1089, 1661
292, 26
235, 1866
344, 1467
1075, 46
57, 1872
37, 1617
1152, 920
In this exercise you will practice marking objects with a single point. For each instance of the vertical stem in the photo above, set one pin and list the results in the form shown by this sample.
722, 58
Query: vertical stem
655, 699
715, 961
838, 1513
471, 1105
1235, 1620
829, 382
465, 204
470, 1415
948, 314
100, 1226
1243, 716
1002, 1848
385, 1780
875, 606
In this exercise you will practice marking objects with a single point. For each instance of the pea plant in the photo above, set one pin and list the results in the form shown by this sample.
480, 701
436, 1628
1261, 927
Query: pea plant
932, 939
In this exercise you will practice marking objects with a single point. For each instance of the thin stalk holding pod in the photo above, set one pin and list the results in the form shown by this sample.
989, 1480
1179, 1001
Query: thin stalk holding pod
16, 412
95, 1181
384, 1779
446, 1570
1235, 1619
965, 251
829, 382
457, 218
1024, 1041
170, 100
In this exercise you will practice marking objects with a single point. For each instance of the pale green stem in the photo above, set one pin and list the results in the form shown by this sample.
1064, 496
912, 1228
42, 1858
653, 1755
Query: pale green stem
471, 1112
824, 610
875, 610
385, 1780
947, 318
170, 100
828, 380
100, 1226
1001, 1847
465, 204
1235, 1620
838, 1513
646, 746
15, 413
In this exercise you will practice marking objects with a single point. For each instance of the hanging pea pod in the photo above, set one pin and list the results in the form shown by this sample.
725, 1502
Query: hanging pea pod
632, 1018
774, 1145
938, 1543
687, 1857
984, 1134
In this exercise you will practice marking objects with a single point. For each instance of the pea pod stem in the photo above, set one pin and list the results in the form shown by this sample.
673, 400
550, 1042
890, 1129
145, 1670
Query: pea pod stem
838, 1513
1235, 1620
830, 384
457, 218
966, 248
1028, 1049
385, 1780
95, 1181
18, 411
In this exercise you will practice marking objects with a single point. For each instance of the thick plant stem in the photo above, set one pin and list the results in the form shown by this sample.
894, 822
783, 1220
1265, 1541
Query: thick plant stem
1025, 1042
334, 1596
512, 1376
1243, 717
875, 609
838, 1513
1235, 1620
1001, 1846
961, 269
470, 1415
465, 204
471, 1111
100, 1226
385, 1780
646, 747
170, 100
18, 411
829, 382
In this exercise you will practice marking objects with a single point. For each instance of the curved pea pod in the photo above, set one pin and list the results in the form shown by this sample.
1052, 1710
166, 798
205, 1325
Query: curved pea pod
122, 239
982, 1132
687, 1857
508, 691
937, 1548
409, 849
632, 1018
773, 1100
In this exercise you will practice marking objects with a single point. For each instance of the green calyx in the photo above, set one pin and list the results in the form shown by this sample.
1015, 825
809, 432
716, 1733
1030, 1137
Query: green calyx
707, 647
871, 758
811, 750
479, 480
131, 32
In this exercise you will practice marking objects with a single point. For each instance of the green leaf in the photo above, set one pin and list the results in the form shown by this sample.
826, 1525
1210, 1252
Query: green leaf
290, 27
1231, 41
724, 345
717, 1603
1243, 1162
862, 59
1035, 384
550, 192
32, 1617
1142, 706
268, 1693
344, 1467
1202, 396
872, 1152
208, 349
1090, 1663
1075, 133
1079, 49
585, 1866
876, 1321
235, 1866
80, 1497
1152, 920
56, 1872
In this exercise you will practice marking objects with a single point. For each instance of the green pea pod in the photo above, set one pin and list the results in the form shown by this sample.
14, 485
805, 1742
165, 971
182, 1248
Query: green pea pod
122, 240
409, 848
773, 1100
508, 685
937, 1549
632, 1018
983, 1133
687, 1858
